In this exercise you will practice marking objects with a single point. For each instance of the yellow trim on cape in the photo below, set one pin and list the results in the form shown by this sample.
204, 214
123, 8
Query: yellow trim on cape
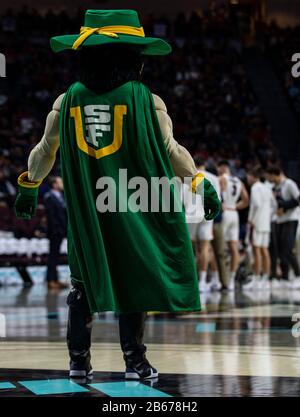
23, 181
197, 179
119, 112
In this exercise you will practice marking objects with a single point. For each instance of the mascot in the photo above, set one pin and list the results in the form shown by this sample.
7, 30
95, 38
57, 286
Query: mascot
126, 260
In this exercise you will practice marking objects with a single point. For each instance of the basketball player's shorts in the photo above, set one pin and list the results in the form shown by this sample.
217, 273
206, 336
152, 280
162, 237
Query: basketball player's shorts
201, 231
260, 239
231, 225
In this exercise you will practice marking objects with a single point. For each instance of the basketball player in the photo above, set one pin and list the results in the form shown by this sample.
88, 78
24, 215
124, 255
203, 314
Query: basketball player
273, 247
287, 195
194, 213
234, 197
259, 228
205, 236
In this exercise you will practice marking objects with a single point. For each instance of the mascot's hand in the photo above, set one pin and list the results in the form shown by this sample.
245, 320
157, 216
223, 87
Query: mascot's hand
212, 203
27, 197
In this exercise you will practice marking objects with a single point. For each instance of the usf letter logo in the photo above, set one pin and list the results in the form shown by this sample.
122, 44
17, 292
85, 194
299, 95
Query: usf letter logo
94, 124
2, 65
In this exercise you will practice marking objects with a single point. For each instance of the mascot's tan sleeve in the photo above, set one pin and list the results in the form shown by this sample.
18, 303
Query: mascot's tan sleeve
43, 155
181, 160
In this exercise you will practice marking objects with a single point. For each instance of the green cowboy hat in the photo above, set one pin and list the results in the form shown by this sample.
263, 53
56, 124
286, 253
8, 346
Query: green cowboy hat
102, 27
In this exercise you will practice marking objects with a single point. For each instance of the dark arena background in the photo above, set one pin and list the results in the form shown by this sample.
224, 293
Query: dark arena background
232, 90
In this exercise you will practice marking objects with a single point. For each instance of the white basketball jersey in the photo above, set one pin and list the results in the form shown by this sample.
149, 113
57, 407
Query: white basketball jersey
214, 180
193, 204
260, 207
232, 193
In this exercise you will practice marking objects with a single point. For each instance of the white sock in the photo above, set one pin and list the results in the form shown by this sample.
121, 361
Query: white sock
232, 276
265, 277
202, 276
215, 276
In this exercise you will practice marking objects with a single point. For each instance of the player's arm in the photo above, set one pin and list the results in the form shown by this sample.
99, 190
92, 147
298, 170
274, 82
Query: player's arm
253, 208
223, 187
252, 215
244, 200
40, 163
223, 183
293, 201
183, 163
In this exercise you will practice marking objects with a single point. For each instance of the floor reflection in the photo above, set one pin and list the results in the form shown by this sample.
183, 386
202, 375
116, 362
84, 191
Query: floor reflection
240, 344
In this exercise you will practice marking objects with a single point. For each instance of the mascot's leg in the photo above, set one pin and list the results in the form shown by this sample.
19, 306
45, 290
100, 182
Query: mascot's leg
132, 326
79, 332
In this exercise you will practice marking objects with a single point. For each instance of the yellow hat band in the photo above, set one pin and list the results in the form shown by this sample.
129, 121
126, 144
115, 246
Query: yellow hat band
111, 31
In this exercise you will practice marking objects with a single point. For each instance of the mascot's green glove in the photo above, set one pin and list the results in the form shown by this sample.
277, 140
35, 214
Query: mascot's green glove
27, 197
212, 203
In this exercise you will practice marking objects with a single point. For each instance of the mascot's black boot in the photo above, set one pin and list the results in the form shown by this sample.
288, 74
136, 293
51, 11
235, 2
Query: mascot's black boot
79, 333
131, 326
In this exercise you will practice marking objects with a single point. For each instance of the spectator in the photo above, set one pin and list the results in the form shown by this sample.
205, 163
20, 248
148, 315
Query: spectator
57, 229
7, 191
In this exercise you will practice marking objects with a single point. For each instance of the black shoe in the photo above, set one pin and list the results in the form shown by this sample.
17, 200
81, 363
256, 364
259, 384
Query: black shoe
80, 370
140, 370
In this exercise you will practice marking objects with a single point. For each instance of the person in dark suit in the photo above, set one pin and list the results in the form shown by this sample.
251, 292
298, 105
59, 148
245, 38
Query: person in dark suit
57, 228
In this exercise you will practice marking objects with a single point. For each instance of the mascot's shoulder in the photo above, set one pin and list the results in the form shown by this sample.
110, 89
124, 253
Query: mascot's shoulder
58, 101
159, 103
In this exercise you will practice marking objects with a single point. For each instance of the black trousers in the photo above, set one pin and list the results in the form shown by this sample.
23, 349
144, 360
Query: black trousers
274, 249
286, 237
131, 329
53, 257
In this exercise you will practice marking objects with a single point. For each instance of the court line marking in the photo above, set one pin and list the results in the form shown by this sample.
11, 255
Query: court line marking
7, 385
52, 386
128, 389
